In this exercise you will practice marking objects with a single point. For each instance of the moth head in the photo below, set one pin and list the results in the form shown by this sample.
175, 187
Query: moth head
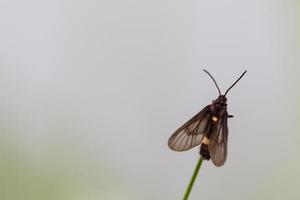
220, 102
221, 99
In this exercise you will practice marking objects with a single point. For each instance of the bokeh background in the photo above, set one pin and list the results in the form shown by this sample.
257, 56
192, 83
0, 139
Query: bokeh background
90, 92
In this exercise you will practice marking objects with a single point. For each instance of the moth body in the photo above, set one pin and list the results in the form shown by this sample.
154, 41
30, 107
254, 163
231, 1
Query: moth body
208, 128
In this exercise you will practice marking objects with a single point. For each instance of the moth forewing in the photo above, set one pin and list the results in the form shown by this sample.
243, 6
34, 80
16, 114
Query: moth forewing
192, 132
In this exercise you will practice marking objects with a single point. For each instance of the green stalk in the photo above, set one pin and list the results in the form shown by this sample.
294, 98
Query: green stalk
193, 178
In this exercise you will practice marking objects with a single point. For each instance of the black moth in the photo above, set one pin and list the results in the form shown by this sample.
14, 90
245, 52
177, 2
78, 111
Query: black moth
208, 128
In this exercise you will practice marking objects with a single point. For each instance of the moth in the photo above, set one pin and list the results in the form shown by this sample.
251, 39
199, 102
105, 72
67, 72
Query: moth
208, 128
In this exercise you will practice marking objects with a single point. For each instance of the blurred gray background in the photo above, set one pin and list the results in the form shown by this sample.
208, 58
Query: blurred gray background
92, 90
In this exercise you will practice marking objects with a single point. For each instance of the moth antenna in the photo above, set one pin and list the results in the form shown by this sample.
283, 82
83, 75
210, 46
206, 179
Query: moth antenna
213, 80
236, 82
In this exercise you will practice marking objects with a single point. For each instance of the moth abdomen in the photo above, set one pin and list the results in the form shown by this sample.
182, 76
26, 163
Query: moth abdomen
204, 151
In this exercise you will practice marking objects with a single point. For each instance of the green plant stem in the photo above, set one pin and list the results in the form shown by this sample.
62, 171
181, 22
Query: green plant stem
193, 178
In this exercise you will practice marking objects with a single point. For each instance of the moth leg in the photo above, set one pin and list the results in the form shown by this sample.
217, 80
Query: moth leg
230, 116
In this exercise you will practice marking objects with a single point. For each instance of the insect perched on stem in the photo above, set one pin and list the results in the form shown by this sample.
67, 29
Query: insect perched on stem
208, 128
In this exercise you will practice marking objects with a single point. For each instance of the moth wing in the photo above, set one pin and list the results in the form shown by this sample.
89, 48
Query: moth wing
218, 141
192, 132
